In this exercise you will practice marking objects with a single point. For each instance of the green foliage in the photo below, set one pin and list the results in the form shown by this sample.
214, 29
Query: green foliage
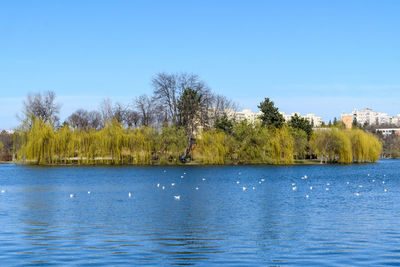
270, 114
298, 122
1, 146
300, 144
224, 124
345, 146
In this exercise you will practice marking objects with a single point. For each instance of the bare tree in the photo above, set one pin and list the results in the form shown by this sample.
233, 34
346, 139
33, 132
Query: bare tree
106, 111
168, 89
79, 119
42, 106
222, 107
131, 118
95, 121
119, 112
145, 107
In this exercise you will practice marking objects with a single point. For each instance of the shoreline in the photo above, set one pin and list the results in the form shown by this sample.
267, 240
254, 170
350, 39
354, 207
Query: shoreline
193, 163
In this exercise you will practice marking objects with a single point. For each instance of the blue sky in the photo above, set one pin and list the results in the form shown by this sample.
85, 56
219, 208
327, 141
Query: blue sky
321, 57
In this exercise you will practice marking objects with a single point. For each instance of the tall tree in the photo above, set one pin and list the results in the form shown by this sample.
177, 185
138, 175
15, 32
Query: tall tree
298, 122
270, 114
41, 106
189, 107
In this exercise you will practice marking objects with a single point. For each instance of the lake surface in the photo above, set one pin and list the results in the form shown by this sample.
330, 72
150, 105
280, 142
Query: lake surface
347, 219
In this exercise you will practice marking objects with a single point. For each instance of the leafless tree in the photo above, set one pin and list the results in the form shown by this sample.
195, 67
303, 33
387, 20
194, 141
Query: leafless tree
106, 111
79, 119
131, 118
168, 88
95, 121
42, 106
222, 107
145, 107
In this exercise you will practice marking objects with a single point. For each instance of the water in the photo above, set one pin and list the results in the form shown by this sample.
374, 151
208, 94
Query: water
220, 223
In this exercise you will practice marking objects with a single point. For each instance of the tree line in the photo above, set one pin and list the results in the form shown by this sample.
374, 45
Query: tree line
182, 121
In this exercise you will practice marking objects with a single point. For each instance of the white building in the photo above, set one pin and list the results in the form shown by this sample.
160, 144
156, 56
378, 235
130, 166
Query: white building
387, 132
247, 114
370, 117
312, 118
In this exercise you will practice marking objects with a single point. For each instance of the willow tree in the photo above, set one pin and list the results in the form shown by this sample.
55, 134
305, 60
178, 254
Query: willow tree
280, 146
213, 147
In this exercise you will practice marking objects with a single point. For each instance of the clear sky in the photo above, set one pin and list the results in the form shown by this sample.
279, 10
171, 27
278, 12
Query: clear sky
320, 57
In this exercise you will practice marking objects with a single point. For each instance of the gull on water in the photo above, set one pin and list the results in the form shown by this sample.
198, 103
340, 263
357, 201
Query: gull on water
307, 196
3, 191
163, 187
327, 189
385, 190
244, 188
262, 180
237, 182
158, 185
172, 184
129, 194
181, 176
197, 188
259, 182
88, 192
294, 188
373, 180
177, 197
328, 184
360, 186
383, 182
293, 184
347, 182
71, 195
357, 194
203, 179
310, 187
254, 188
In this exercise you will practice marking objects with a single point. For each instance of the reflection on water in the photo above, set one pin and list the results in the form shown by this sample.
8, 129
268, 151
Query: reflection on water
352, 223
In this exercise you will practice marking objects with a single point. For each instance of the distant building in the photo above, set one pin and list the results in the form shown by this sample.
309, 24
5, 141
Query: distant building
370, 117
390, 131
312, 118
247, 114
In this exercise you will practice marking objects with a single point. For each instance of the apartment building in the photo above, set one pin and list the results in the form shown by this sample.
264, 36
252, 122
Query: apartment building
315, 121
368, 116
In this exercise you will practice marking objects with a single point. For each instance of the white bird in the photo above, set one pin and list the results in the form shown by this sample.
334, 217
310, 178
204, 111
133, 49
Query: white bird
71, 195
172, 184
347, 182
373, 180
163, 187
165, 171
259, 182
357, 194
88, 192
203, 179
237, 182
129, 194
383, 182
305, 176
240, 173
158, 185
244, 188
307, 196
177, 197
3, 191
360, 186
328, 184
181, 176
184, 173
368, 174
294, 188
197, 188
385, 190
310, 187
293, 184
327, 189
254, 188
262, 180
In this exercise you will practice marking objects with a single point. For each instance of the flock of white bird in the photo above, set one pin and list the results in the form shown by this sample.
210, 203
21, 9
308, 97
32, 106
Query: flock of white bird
244, 188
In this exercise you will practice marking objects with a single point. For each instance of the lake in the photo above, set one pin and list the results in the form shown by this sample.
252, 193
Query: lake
234, 215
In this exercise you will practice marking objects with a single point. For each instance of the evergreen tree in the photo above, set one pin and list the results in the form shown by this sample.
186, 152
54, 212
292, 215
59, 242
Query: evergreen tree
270, 114
297, 122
